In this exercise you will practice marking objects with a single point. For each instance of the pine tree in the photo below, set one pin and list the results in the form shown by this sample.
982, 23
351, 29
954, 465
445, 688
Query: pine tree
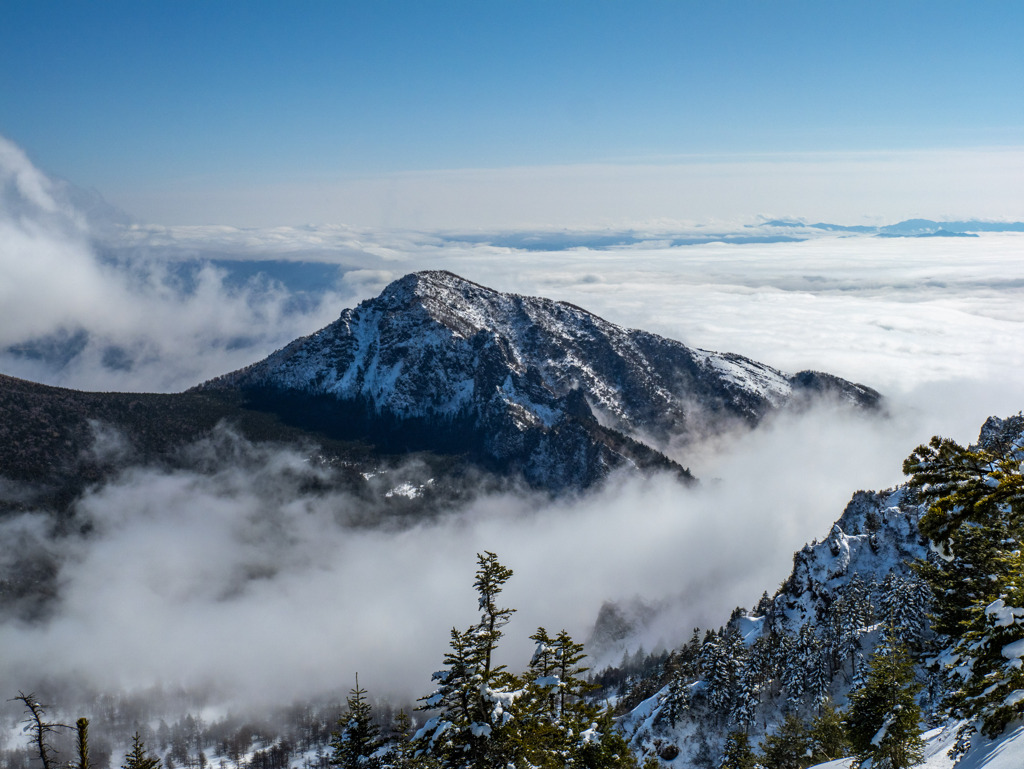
905, 602
677, 700
964, 486
402, 752
990, 687
487, 717
602, 746
975, 518
883, 718
540, 730
849, 616
475, 697
543, 676
794, 670
808, 676
357, 742
860, 670
828, 735
571, 684
138, 758
788, 747
963, 579
556, 727
82, 728
819, 674
721, 656
738, 753
748, 696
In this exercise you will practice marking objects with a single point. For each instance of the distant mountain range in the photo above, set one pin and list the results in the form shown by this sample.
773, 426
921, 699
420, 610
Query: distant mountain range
770, 231
910, 228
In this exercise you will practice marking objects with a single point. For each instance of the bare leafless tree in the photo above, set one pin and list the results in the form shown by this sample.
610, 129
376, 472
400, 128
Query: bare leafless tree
40, 729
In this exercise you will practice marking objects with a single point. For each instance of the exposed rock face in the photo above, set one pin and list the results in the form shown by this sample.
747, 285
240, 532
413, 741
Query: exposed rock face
526, 384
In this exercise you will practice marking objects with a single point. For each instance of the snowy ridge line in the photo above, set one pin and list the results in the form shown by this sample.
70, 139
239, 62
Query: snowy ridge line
478, 370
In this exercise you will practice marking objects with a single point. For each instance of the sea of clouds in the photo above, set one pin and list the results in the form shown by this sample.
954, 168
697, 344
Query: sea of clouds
237, 577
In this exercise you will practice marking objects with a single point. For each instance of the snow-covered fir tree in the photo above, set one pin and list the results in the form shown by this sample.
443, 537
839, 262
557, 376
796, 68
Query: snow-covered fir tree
475, 695
975, 520
357, 743
788, 747
138, 757
883, 717
488, 717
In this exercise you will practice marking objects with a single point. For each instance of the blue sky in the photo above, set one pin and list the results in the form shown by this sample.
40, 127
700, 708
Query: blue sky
178, 108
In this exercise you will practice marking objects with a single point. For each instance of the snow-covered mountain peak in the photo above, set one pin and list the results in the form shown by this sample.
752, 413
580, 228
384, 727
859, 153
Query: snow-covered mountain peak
466, 308
461, 305
437, 361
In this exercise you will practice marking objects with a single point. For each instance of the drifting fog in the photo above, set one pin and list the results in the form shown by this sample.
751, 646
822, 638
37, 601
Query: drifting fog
237, 578
72, 313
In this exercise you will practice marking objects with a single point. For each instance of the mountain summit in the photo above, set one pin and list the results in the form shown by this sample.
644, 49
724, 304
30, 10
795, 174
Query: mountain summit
523, 384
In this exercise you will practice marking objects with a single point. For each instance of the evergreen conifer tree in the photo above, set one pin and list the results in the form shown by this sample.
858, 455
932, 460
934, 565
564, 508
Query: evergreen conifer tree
475, 697
571, 684
904, 602
828, 735
748, 696
602, 746
794, 670
487, 717
975, 518
788, 747
721, 656
738, 753
357, 742
849, 616
883, 718
402, 752
860, 670
138, 758
82, 728
677, 698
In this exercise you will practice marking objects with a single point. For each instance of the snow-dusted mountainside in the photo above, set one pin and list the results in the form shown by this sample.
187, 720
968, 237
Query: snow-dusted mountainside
875, 538
824, 617
811, 640
527, 384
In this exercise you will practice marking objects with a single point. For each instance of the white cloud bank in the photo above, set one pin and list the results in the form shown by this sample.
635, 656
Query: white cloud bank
228, 576
237, 580
55, 285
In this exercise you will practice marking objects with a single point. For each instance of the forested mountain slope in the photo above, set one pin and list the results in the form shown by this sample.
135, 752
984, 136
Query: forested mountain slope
881, 577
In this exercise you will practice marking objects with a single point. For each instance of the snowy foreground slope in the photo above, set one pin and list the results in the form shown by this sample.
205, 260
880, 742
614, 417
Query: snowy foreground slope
526, 384
1007, 752
810, 642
